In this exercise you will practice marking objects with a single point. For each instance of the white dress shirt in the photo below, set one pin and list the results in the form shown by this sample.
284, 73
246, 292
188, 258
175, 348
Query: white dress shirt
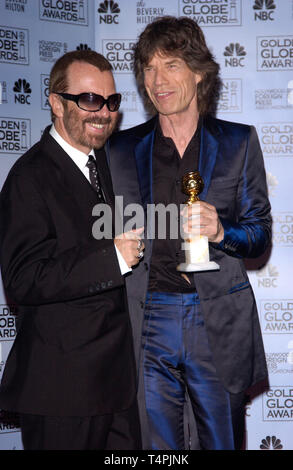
81, 159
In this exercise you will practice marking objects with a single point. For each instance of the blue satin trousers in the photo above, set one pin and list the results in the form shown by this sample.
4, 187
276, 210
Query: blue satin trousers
177, 360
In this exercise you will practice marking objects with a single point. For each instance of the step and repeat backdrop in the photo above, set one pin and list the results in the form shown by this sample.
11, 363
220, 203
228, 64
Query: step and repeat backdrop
252, 41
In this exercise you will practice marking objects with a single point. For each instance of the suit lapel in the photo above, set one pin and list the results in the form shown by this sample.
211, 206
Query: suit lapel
207, 158
75, 183
143, 156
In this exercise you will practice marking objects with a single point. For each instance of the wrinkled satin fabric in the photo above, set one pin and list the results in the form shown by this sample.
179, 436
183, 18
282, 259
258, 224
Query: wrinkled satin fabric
177, 358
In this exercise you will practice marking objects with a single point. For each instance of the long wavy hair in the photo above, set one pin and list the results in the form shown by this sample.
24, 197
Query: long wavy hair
179, 37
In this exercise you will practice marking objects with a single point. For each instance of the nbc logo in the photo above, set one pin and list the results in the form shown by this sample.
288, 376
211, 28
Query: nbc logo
108, 11
264, 10
22, 91
272, 183
271, 443
261, 4
235, 55
290, 92
83, 47
267, 277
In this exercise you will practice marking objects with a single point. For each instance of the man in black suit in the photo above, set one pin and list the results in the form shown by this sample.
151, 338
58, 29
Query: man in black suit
197, 334
70, 373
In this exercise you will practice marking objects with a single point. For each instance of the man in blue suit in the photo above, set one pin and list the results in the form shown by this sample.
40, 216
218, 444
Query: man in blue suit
197, 335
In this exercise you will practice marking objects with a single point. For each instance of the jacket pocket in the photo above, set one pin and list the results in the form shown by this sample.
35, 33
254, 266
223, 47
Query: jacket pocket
238, 287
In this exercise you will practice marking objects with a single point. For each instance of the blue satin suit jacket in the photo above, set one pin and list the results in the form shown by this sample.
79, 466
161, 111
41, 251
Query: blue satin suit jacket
231, 165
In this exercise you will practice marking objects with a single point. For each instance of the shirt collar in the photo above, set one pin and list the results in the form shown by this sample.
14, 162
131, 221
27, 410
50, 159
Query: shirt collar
166, 143
79, 158
160, 134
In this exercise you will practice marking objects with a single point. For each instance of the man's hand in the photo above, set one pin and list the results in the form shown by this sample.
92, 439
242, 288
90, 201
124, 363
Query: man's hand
202, 219
130, 246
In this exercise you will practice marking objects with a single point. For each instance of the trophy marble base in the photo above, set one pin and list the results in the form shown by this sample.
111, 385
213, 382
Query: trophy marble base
194, 267
197, 256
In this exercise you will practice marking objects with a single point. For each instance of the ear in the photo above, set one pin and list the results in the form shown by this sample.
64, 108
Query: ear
56, 105
198, 78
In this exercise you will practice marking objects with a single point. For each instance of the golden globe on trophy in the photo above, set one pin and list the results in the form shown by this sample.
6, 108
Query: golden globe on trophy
196, 247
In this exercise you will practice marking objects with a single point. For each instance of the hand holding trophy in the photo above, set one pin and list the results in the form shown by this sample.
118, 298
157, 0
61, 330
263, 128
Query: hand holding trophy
196, 246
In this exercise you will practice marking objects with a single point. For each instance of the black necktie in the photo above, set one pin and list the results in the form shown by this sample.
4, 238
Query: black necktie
94, 178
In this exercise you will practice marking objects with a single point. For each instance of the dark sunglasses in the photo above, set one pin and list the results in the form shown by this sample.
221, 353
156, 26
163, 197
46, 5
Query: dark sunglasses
92, 102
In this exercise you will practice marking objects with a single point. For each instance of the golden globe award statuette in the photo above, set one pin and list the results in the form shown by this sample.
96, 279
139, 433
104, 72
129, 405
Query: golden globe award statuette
196, 247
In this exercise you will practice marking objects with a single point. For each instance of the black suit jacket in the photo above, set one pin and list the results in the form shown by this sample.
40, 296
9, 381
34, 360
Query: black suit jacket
73, 353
